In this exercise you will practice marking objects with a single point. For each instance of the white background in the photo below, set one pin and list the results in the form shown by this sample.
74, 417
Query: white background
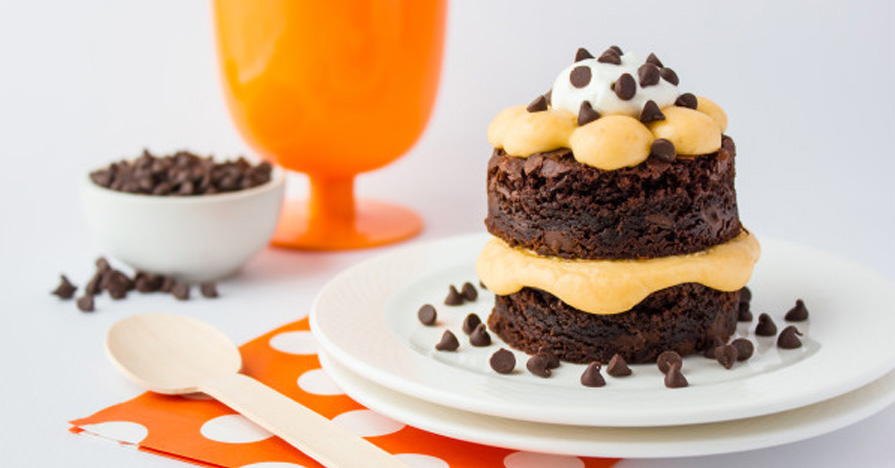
809, 88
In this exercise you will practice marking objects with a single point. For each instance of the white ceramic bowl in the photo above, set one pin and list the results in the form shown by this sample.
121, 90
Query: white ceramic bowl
193, 238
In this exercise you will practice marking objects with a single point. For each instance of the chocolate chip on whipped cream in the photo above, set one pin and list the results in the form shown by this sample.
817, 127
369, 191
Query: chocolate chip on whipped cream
648, 74
651, 113
580, 76
625, 88
669, 75
587, 114
653, 60
687, 100
538, 105
582, 54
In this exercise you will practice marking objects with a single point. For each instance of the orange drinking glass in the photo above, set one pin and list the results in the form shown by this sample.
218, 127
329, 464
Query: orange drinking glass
332, 88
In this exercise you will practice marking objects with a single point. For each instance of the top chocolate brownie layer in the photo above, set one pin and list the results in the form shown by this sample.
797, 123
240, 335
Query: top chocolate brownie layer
556, 206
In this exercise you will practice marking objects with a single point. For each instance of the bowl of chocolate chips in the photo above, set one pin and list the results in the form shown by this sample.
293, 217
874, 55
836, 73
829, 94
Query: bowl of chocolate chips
184, 216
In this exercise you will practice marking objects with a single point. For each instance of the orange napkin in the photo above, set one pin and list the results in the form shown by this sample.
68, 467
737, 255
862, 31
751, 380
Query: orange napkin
197, 429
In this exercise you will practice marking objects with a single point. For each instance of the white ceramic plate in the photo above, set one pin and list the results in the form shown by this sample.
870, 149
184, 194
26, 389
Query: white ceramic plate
627, 442
365, 319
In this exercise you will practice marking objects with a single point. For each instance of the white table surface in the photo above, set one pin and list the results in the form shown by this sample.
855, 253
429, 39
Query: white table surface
807, 86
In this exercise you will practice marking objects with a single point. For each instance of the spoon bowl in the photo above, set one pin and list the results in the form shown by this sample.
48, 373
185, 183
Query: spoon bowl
172, 354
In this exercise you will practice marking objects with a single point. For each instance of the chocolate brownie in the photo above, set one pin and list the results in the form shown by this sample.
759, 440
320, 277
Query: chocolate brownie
685, 318
554, 205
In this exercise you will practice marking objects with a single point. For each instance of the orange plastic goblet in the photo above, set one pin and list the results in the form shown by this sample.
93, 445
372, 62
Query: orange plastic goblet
332, 89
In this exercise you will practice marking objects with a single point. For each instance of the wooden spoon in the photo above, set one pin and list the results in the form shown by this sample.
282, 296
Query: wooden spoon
173, 355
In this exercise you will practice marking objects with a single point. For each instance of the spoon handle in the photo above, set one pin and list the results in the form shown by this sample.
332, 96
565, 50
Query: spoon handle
328, 443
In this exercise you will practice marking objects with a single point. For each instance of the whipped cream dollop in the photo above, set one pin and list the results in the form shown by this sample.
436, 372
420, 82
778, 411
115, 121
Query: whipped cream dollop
594, 81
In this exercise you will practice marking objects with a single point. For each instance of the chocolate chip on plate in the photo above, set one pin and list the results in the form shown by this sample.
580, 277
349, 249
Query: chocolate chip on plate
587, 114
709, 351
448, 342
427, 314
453, 297
744, 347
687, 100
209, 290
65, 290
651, 112
480, 337
799, 313
726, 355
674, 378
618, 367
503, 361
470, 323
591, 376
469, 292
552, 358
666, 360
766, 326
625, 87
789, 338
537, 365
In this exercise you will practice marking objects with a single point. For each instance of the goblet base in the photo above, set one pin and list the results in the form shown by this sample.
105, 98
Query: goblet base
374, 223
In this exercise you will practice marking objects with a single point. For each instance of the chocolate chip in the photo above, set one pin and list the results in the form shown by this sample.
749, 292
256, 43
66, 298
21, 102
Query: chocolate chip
610, 56
181, 291
668, 359
538, 105
687, 100
65, 290
147, 282
625, 88
209, 290
102, 265
766, 326
427, 314
503, 361
448, 342
616, 49
789, 338
93, 287
116, 283
744, 314
480, 337
167, 284
618, 367
470, 323
85, 303
591, 376
537, 365
662, 150
454, 297
587, 114
669, 75
674, 378
799, 313
582, 54
745, 295
648, 75
552, 358
651, 113
726, 355
580, 76
548, 96
468, 291
653, 60
744, 347
709, 351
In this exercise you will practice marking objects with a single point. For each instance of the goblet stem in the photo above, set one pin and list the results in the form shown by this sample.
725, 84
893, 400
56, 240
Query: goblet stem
331, 207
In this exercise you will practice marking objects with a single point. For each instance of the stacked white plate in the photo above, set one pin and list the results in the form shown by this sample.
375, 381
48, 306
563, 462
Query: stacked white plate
374, 347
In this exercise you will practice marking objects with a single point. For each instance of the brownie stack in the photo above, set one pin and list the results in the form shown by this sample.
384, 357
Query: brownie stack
553, 206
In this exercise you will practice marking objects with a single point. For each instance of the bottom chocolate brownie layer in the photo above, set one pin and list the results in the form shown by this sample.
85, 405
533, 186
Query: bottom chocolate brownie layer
684, 318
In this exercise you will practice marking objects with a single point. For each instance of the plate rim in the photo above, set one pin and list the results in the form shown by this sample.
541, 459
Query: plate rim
661, 417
